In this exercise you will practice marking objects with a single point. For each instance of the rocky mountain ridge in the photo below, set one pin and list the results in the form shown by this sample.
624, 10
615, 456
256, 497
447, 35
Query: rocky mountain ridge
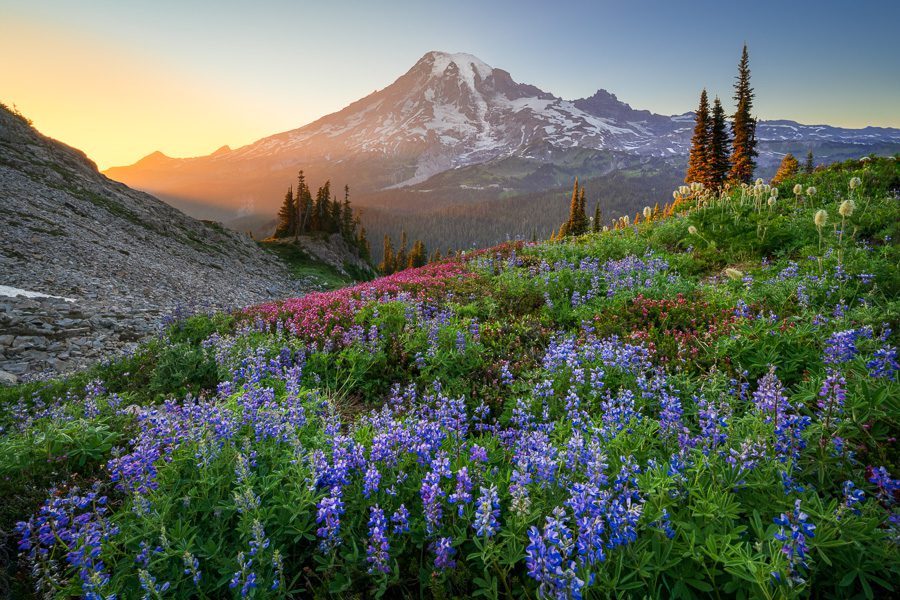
124, 258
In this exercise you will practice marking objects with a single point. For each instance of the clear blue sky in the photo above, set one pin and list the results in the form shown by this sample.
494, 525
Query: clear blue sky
269, 66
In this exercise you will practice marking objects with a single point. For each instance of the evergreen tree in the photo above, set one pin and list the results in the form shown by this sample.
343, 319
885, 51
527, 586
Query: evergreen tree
809, 167
304, 204
362, 242
699, 161
598, 219
401, 258
386, 266
788, 168
335, 216
582, 225
577, 222
569, 225
298, 206
348, 225
315, 217
418, 256
743, 126
719, 162
287, 216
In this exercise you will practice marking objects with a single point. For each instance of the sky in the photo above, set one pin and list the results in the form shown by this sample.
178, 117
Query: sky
120, 80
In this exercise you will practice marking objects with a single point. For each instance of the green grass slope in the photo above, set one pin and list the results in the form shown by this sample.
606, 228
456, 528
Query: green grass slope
704, 405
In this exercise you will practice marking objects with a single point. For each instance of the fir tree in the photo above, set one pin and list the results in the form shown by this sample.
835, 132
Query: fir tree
809, 167
582, 225
719, 162
304, 204
401, 257
348, 225
362, 242
298, 206
699, 161
335, 216
577, 221
287, 216
743, 126
598, 218
788, 168
386, 266
418, 256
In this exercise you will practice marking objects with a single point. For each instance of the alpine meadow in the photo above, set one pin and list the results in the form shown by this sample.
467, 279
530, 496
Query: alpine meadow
462, 338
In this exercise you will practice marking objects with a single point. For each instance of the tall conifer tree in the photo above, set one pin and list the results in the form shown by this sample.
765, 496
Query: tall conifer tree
598, 218
287, 216
348, 226
699, 161
401, 258
387, 264
418, 256
743, 126
809, 166
719, 163
362, 242
788, 168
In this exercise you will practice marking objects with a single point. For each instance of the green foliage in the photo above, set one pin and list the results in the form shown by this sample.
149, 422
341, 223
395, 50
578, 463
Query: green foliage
509, 359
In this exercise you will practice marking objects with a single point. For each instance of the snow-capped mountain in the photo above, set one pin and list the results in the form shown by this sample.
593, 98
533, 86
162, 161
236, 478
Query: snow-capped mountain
451, 111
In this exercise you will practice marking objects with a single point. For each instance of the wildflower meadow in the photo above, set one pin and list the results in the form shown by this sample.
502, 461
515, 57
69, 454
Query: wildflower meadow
701, 404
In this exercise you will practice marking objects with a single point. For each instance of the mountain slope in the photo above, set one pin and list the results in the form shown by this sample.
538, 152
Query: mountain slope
118, 253
449, 112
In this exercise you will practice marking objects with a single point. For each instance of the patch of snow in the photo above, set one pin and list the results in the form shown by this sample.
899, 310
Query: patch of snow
11, 292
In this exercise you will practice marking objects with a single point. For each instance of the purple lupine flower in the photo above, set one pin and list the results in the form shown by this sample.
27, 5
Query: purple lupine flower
431, 494
244, 577
371, 480
478, 453
486, 513
462, 495
444, 552
330, 508
831, 398
548, 558
191, 567
795, 530
884, 364
400, 519
888, 488
841, 346
852, 497
377, 551
258, 541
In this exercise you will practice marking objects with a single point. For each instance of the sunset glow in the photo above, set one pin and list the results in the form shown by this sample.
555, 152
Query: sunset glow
122, 80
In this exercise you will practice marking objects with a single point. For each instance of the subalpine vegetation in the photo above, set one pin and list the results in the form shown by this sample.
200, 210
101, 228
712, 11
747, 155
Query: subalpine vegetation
700, 404
302, 214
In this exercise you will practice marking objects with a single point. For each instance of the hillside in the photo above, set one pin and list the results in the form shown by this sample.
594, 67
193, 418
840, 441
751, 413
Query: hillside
703, 403
454, 131
113, 260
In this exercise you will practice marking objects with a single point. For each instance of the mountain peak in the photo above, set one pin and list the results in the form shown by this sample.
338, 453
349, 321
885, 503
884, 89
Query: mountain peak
466, 67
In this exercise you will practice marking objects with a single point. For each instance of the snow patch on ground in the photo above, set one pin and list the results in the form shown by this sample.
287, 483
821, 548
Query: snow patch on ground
11, 292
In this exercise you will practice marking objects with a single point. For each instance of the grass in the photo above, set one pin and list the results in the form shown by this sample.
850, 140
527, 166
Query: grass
303, 266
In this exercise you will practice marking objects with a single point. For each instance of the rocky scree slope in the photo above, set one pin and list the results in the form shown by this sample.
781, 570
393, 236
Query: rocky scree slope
124, 257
